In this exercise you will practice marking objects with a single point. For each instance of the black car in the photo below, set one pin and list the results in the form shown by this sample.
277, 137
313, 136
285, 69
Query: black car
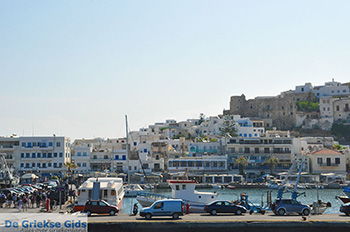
224, 207
345, 209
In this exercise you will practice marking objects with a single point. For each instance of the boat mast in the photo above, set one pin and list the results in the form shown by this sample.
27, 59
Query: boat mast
127, 146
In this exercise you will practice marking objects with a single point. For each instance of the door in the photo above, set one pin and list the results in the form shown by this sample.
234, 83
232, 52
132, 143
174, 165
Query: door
158, 209
103, 207
94, 207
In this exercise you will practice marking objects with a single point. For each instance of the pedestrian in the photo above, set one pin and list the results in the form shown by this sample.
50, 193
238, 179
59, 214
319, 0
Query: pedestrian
14, 199
2, 199
135, 209
20, 204
25, 202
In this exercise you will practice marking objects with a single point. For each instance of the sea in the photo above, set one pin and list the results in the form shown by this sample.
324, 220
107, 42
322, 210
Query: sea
258, 197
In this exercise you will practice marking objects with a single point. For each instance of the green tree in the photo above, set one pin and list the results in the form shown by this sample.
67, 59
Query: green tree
242, 162
272, 162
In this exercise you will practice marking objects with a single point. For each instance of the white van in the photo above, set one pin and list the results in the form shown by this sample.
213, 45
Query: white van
168, 207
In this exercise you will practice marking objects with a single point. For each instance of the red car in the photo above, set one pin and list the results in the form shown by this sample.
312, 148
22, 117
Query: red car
100, 207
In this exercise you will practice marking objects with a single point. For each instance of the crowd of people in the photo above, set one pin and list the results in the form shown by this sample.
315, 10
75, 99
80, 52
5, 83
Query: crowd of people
46, 199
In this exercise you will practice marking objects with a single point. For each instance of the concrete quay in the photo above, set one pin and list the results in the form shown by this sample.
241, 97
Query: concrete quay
222, 223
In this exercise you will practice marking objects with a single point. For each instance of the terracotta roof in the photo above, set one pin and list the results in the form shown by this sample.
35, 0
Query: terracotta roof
326, 152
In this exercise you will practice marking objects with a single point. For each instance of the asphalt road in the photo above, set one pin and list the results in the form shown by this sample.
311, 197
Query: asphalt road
206, 218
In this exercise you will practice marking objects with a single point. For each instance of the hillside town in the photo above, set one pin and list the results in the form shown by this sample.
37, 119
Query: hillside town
253, 138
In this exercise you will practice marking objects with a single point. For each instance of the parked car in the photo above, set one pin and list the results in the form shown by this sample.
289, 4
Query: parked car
283, 207
345, 209
169, 207
100, 207
224, 207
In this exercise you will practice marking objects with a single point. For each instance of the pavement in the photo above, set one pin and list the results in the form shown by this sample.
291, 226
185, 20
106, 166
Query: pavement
206, 218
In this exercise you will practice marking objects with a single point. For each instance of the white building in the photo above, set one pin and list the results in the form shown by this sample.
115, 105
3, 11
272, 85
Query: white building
332, 88
203, 163
44, 155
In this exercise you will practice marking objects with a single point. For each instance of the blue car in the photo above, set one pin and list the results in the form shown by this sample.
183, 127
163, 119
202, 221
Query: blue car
283, 207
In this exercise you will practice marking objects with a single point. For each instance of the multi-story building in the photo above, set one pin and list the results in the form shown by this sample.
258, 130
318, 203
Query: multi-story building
331, 88
45, 156
327, 161
258, 150
212, 163
81, 155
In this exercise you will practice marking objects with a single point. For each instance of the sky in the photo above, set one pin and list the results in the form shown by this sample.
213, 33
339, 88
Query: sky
76, 68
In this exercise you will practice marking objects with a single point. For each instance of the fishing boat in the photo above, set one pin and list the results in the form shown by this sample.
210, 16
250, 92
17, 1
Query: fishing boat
132, 190
185, 190
345, 199
109, 189
7, 179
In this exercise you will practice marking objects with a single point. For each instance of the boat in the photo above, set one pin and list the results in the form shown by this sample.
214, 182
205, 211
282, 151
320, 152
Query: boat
344, 199
109, 189
7, 178
346, 190
185, 190
132, 190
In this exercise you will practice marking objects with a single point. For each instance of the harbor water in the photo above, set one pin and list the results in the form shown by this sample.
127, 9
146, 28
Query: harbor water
258, 196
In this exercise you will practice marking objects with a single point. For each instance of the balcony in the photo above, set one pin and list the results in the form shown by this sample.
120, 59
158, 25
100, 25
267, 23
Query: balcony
328, 165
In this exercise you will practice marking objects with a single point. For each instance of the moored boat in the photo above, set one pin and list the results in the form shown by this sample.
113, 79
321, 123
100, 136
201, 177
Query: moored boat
185, 190
109, 189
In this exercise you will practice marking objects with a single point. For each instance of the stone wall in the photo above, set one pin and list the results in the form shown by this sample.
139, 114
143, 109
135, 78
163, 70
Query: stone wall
281, 109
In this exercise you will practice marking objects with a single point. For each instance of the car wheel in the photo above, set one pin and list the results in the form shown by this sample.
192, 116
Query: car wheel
281, 212
175, 216
88, 212
238, 212
148, 216
306, 212
213, 212
263, 212
112, 213
347, 214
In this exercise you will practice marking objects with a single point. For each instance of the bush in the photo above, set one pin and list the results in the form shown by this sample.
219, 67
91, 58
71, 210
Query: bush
307, 106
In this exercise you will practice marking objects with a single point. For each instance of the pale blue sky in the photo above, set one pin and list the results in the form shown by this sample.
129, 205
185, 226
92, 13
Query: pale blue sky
75, 68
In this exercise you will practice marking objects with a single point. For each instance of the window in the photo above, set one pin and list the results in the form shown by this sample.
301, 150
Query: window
61, 154
27, 155
22, 165
23, 144
38, 165
159, 205
33, 155
183, 187
328, 161
22, 155
44, 155
38, 155
58, 144
55, 154
124, 157
84, 164
55, 165
177, 187
50, 144
84, 154
49, 165
105, 193
337, 160
49, 155
44, 165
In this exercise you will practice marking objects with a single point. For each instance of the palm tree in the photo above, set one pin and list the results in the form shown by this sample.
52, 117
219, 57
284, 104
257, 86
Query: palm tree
272, 162
242, 162
70, 166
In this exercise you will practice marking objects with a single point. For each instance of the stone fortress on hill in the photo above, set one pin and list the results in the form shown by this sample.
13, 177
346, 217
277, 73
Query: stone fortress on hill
305, 107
